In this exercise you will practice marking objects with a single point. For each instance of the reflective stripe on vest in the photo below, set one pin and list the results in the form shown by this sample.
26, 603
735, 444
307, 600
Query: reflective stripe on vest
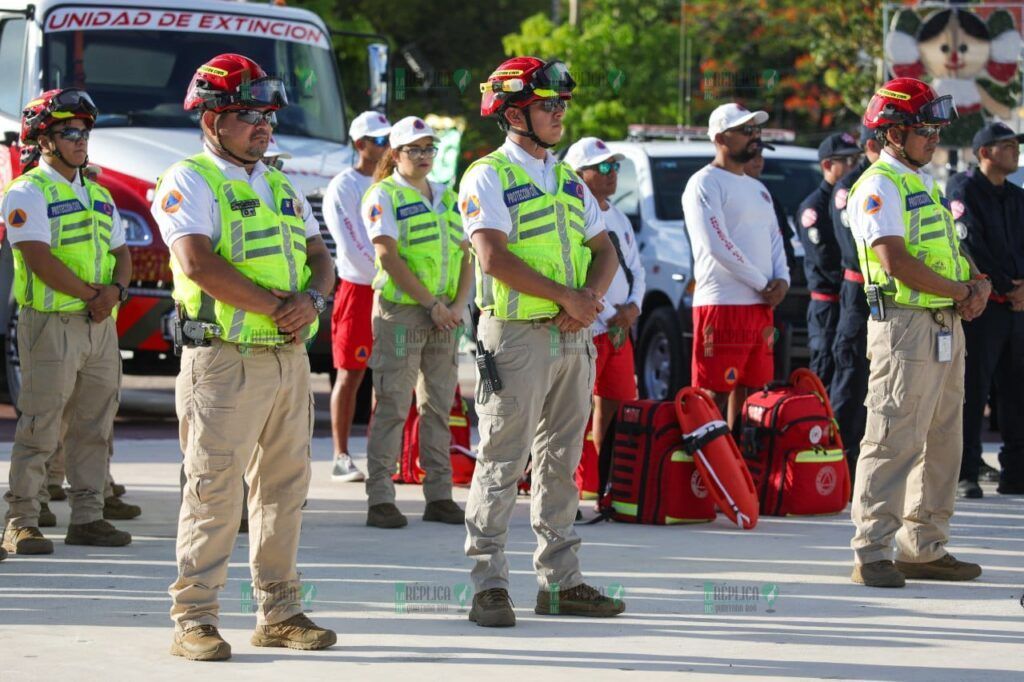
547, 234
266, 244
436, 262
79, 238
929, 234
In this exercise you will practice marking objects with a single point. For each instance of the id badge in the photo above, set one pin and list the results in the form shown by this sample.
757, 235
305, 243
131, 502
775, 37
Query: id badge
944, 347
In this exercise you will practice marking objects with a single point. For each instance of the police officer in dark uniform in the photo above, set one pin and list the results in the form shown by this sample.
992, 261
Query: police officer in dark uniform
990, 220
849, 350
837, 155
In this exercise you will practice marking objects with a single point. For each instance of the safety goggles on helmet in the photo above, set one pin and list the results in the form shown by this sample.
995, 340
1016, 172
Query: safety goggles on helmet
938, 111
551, 81
263, 92
64, 105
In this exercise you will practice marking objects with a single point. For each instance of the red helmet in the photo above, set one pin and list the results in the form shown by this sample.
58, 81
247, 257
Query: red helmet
520, 81
231, 81
908, 101
54, 106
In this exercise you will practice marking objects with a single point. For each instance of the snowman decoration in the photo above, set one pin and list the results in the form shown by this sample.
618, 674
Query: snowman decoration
962, 55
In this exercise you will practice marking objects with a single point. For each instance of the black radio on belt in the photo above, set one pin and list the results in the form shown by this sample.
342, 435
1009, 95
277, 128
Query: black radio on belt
191, 333
876, 302
488, 369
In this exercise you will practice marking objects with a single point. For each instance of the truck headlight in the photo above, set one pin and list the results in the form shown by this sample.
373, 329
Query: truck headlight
136, 229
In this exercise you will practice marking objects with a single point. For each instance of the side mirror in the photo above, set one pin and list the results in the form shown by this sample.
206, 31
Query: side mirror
377, 60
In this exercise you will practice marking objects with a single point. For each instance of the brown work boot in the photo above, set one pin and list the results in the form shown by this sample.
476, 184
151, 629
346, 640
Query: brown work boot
444, 511
116, 510
298, 632
878, 574
385, 515
47, 519
582, 600
200, 643
492, 609
27, 540
117, 489
57, 493
97, 534
946, 568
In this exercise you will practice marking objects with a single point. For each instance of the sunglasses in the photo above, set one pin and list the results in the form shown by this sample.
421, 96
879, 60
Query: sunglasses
73, 134
379, 140
607, 167
553, 105
747, 130
416, 153
927, 130
254, 117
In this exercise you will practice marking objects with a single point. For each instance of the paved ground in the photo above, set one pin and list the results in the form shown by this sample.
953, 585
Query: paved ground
708, 600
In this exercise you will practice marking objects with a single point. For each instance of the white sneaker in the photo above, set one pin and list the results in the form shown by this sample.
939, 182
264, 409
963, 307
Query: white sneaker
344, 470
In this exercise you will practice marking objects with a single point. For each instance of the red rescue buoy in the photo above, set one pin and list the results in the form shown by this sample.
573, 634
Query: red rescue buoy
707, 438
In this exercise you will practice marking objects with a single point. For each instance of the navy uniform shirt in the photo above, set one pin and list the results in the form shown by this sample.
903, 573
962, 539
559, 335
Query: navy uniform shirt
837, 212
990, 224
821, 251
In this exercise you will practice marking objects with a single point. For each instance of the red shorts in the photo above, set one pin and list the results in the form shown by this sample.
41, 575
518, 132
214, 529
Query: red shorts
733, 346
351, 331
616, 377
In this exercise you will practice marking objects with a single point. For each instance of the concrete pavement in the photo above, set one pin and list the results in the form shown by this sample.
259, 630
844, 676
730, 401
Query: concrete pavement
709, 600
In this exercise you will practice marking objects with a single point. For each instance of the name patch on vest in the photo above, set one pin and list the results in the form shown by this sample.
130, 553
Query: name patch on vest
517, 195
918, 199
103, 207
60, 208
946, 205
573, 189
246, 207
410, 210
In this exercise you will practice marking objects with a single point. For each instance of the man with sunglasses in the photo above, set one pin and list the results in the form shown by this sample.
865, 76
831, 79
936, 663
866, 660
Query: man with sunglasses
615, 374
989, 211
544, 262
71, 269
836, 155
919, 285
739, 263
351, 332
250, 275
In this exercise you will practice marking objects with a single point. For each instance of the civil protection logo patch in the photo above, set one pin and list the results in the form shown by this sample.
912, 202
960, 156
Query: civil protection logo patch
873, 204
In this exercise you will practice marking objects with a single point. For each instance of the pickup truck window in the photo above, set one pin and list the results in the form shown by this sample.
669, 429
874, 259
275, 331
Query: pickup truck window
139, 78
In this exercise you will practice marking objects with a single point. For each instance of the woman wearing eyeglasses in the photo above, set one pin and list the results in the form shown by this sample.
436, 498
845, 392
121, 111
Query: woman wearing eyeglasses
422, 283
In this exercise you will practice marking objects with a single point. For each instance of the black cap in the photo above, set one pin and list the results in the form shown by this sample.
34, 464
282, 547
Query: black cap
838, 144
992, 133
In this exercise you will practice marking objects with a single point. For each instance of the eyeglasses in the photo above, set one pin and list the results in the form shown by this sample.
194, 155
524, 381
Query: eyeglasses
553, 105
607, 167
416, 153
380, 140
254, 117
747, 130
73, 134
927, 130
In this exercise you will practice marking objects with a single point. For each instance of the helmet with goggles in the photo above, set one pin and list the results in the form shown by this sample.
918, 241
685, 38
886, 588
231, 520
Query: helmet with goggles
230, 82
55, 106
520, 81
908, 102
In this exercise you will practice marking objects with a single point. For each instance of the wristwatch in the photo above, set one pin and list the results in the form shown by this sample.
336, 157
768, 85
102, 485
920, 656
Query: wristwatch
318, 300
122, 292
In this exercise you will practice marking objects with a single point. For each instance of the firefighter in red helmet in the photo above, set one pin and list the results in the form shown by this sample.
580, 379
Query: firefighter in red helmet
71, 270
250, 275
919, 285
544, 263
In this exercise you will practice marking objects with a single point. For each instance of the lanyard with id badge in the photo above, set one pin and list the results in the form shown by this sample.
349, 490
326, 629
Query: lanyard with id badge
943, 338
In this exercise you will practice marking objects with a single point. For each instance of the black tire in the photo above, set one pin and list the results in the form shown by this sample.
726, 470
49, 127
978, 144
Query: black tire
662, 356
12, 365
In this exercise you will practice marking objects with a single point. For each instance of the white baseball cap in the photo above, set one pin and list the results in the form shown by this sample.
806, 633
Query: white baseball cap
589, 151
369, 124
410, 129
731, 115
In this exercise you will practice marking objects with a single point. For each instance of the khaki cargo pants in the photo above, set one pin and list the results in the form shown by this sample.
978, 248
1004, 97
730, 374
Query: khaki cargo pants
409, 353
242, 410
543, 407
56, 470
909, 461
71, 376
